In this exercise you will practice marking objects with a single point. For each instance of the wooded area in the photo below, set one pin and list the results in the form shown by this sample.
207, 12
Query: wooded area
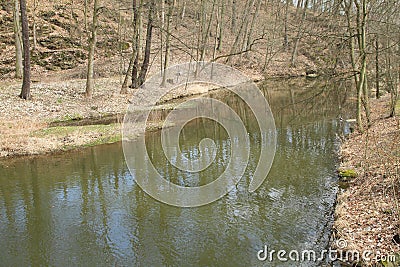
356, 39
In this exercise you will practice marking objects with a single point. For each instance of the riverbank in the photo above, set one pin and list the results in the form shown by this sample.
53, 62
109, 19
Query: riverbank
24, 125
60, 118
368, 212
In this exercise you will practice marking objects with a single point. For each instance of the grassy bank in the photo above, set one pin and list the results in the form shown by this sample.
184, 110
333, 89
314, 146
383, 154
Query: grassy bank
41, 139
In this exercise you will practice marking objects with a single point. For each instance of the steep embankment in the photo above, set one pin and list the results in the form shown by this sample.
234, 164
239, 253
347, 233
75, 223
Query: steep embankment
367, 213
62, 35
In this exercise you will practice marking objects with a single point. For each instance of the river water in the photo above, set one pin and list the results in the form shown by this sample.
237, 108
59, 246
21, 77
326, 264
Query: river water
83, 208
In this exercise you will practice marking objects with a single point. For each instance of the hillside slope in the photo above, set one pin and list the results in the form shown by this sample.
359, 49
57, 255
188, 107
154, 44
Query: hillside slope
62, 39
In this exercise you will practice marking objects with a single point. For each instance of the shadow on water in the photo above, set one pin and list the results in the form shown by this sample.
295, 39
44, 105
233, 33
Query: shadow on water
84, 208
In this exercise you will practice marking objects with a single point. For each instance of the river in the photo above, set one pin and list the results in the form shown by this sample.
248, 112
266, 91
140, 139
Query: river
83, 208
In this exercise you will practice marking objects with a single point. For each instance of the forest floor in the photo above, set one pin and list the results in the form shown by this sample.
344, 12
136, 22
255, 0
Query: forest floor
368, 212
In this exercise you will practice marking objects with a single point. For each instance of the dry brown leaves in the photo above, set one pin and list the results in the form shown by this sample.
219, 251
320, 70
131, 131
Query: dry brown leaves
367, 213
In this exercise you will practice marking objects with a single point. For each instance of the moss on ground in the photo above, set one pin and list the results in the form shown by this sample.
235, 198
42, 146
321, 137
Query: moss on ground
347, 174
345, 177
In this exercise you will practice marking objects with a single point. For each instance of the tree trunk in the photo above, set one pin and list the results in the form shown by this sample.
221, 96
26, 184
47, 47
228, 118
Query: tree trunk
285, 36
253, 21
92, 48
136, 45
364, 58
140, 30
377, 67
136, 54
240, 32
18, 41
246, 28
199, 36
392, 68
206, 34
183, 10
362, 35
358, 75
167, 42
298, 36
162, 34
124, 87
216, 37
221, 25
34, 25
85, 10
149, 33
269, 50
26, 83
163, 13
234, 16
299, 6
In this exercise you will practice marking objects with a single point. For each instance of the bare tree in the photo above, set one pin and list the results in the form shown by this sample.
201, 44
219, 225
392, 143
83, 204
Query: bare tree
285, 35
133, 68
167, 41
356, 72
34, 24
391, 52
26, 83
377, 69
149, 34
18, 40
92, 47
221, 25
362, 43
234, 15
85, 11
241, 32
134, 60
253, 21
299, 33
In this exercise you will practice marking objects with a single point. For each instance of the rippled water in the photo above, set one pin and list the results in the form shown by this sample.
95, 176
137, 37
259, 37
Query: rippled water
84, 208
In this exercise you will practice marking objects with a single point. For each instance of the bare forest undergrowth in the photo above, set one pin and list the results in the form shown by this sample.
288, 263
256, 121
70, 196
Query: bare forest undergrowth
368, 211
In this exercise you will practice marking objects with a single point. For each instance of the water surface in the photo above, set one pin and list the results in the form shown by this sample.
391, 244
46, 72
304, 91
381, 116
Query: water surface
84, 208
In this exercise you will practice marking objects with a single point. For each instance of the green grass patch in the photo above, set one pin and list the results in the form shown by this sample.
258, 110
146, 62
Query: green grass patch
68, 117
105, 140
69, 130
101, 134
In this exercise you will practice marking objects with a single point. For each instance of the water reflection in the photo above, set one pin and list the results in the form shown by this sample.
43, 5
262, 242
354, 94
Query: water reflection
84, 208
